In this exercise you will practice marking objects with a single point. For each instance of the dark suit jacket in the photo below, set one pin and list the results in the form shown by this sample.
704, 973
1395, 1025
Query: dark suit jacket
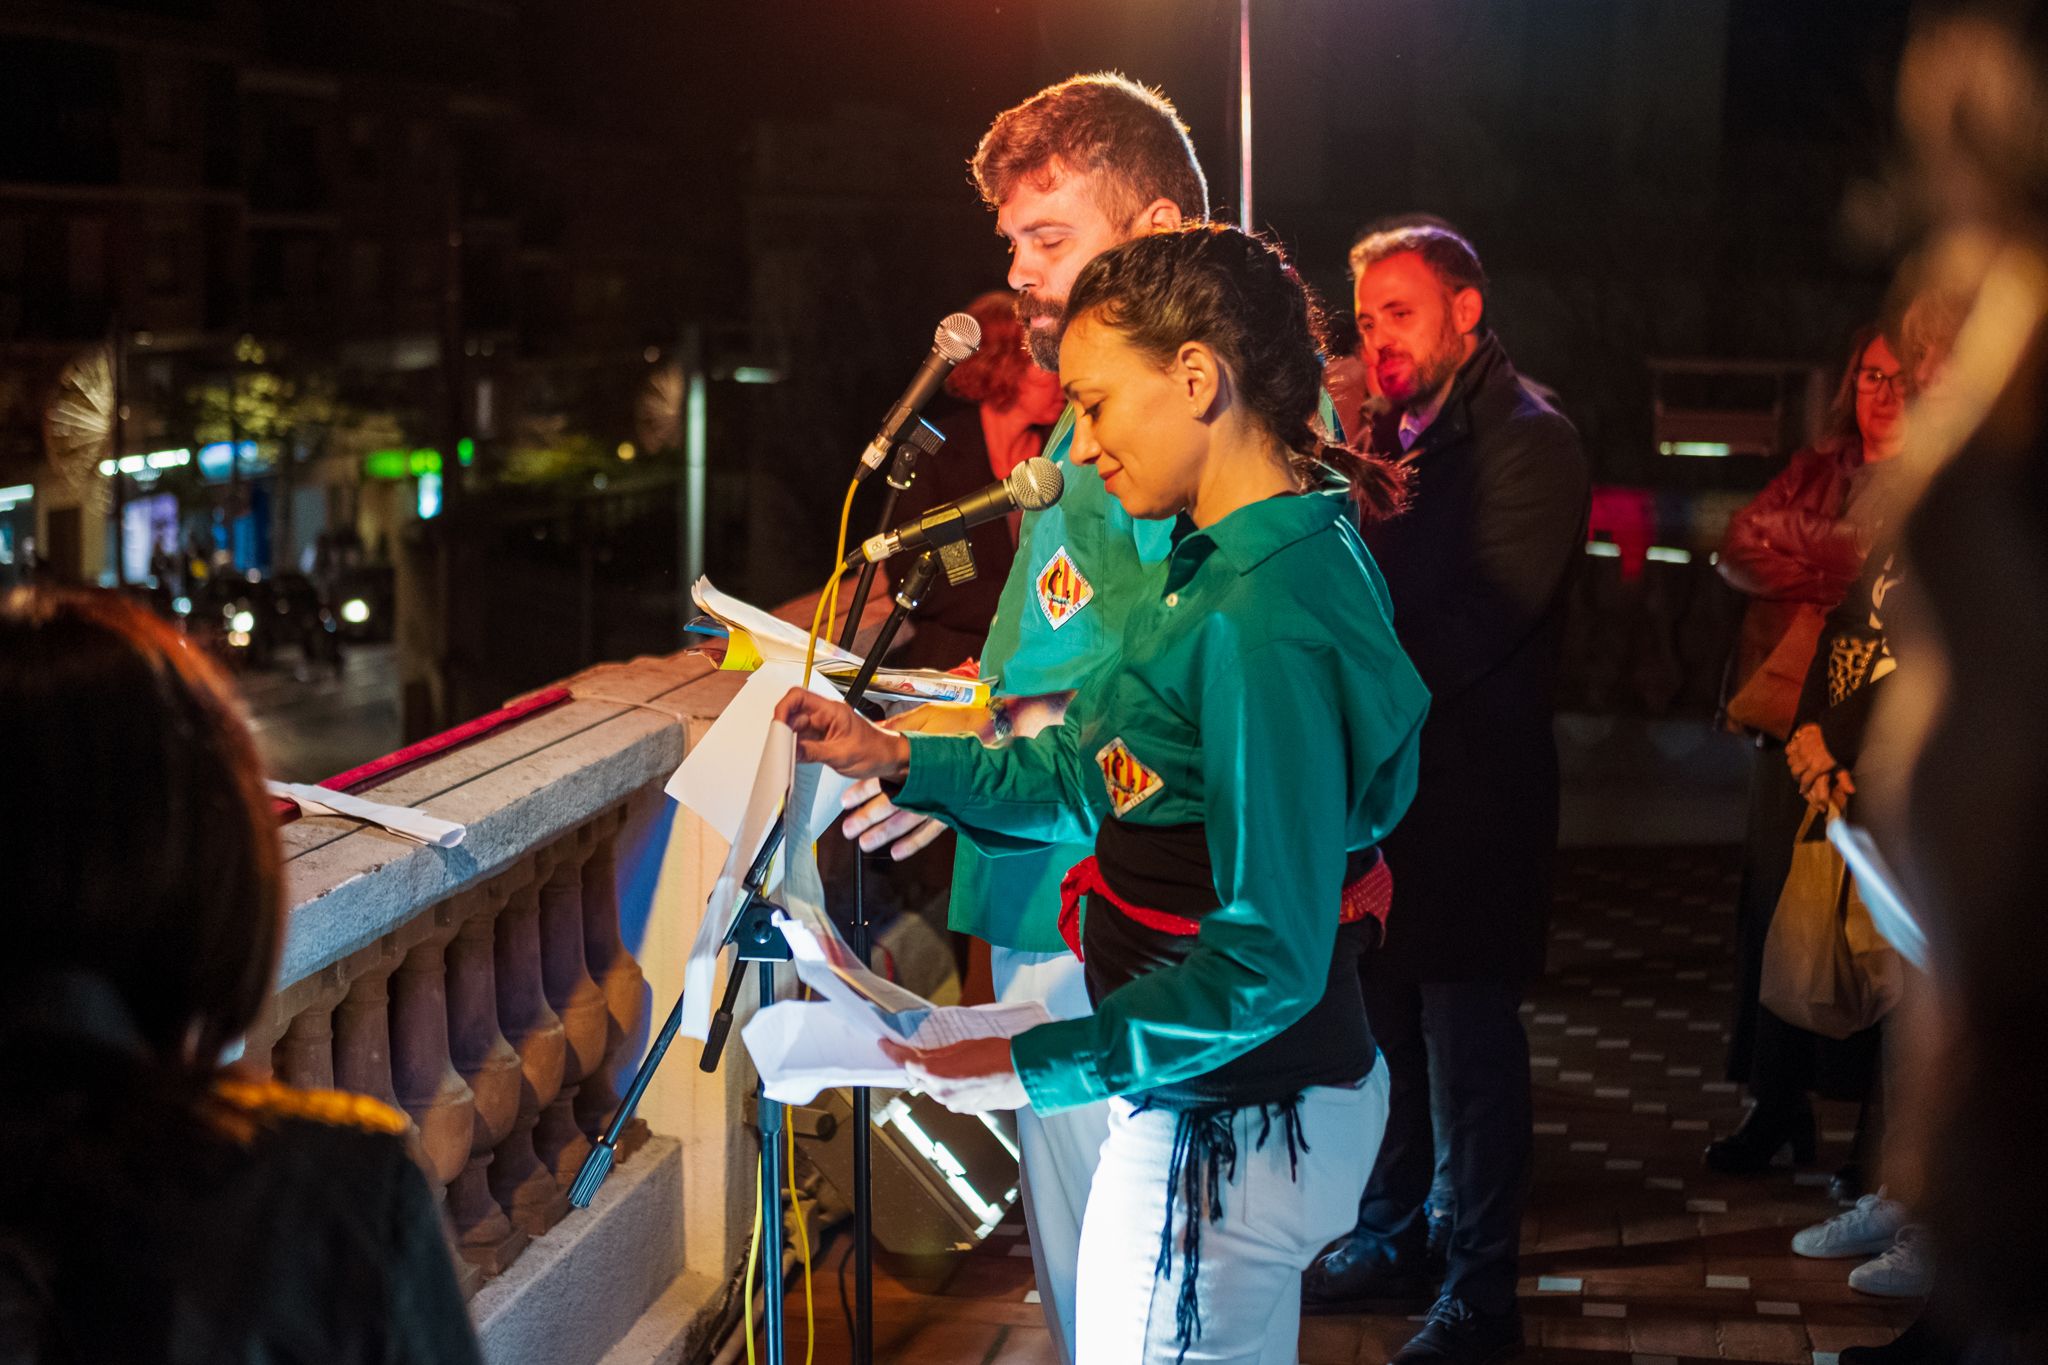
1478, 568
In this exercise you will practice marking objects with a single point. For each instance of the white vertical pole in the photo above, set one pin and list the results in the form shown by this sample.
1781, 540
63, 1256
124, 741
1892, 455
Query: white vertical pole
694, 461
1244, 116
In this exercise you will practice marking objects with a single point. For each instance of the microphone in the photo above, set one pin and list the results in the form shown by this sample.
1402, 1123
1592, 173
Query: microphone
1032, 486
957, 337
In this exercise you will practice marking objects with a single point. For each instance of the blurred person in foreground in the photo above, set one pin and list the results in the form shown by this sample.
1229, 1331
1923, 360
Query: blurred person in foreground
155, 1205
1235, 773
1795, 550
1478, 568
1964, 724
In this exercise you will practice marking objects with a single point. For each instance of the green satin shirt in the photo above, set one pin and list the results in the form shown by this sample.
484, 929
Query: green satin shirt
1259, 690
1080, 566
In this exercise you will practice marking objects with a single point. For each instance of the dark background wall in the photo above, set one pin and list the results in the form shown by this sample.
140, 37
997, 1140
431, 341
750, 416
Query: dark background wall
1645, 179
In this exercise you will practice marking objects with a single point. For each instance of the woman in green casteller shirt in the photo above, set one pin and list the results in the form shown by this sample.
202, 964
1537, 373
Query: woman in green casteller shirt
1236, 773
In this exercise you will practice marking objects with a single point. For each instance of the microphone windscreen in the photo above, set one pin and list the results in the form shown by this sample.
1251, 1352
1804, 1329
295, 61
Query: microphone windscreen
958, 337
1036, 484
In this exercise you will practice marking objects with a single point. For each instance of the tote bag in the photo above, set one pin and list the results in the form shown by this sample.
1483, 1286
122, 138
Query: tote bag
1826, 968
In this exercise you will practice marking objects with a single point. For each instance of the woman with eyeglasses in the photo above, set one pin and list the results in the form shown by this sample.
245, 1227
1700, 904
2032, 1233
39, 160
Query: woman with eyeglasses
1797, 550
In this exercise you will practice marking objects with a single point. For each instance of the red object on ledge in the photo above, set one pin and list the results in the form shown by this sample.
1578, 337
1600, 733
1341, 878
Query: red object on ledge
378, 769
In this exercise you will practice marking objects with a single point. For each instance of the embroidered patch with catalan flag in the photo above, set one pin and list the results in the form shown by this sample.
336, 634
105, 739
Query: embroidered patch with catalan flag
1130, 782
1062, 592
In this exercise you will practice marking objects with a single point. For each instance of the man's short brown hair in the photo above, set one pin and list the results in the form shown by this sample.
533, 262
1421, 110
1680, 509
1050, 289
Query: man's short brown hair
1105, 125
1442, 248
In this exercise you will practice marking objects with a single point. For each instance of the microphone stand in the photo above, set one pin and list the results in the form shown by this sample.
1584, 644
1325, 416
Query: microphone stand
758, 940
922, 438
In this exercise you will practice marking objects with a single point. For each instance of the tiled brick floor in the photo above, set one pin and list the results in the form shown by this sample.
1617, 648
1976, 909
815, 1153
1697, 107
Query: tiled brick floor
1632, 1251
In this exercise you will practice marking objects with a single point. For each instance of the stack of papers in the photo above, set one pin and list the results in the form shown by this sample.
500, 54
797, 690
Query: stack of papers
775, 640
801, 1047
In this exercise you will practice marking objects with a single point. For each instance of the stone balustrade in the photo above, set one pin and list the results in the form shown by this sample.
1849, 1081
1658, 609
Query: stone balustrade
500, 994
483, 1019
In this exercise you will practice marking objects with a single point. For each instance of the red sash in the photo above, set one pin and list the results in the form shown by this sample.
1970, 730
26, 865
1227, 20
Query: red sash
1371, 896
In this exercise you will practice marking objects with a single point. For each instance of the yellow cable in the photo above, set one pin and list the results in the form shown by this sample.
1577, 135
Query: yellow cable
828, 599
822, 615
753, 1253
803, 1251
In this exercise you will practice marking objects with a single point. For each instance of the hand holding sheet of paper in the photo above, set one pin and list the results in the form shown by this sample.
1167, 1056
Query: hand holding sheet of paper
713, 778
801, 1047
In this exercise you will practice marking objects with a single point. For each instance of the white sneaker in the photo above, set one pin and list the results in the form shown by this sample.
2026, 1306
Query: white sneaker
1865, 1230
1904, 1272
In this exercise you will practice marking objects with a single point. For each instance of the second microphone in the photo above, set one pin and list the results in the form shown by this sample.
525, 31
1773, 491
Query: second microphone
1032, 486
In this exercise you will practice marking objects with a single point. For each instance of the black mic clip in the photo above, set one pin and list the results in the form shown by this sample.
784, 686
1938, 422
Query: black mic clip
922, 439
946, 535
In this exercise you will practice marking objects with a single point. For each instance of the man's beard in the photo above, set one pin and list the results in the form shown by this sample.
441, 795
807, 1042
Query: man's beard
1042, 342
1434, 371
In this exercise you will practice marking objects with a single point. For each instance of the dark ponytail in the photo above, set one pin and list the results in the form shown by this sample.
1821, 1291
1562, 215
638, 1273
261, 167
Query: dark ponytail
1236, 293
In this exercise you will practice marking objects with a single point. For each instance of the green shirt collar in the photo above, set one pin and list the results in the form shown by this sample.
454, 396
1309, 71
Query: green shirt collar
1251, 535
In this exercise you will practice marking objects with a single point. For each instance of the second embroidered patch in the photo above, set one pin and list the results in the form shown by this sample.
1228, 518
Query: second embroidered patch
1130, 782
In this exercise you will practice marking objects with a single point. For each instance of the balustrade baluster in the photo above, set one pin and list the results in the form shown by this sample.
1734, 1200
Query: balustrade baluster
490, 1065
579, 1004
524, 1187
619, 976
304, 1057
423, 1074
362, 1028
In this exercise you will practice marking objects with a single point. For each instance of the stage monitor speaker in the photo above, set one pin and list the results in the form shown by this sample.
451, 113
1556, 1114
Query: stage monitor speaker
941, 1181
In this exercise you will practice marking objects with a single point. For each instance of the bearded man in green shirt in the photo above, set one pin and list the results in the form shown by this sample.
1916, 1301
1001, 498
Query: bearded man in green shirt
1076, 169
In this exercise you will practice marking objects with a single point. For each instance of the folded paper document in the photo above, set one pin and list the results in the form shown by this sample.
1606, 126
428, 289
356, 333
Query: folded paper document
404, 821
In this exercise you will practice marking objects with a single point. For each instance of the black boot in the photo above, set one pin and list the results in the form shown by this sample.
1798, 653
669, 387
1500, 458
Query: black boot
1917, 1345
1766, 1130
1458, 1334
1359, 1270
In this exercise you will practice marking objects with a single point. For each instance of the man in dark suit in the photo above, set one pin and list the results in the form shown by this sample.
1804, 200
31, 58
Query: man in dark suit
1477, 568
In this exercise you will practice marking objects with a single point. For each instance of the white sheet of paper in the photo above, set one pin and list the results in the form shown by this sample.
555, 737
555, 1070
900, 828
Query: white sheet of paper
404, 821
775, 639
1879, 888
712, 780
757, 817
803, 1046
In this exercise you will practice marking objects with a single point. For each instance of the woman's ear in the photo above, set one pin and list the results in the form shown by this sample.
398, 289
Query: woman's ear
1201, 377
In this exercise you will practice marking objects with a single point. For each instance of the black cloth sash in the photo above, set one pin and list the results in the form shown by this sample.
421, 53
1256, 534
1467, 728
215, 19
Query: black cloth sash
1166, 867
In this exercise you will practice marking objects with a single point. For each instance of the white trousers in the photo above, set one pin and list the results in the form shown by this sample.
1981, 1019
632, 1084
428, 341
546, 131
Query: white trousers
1058, 1150
1274, 1222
